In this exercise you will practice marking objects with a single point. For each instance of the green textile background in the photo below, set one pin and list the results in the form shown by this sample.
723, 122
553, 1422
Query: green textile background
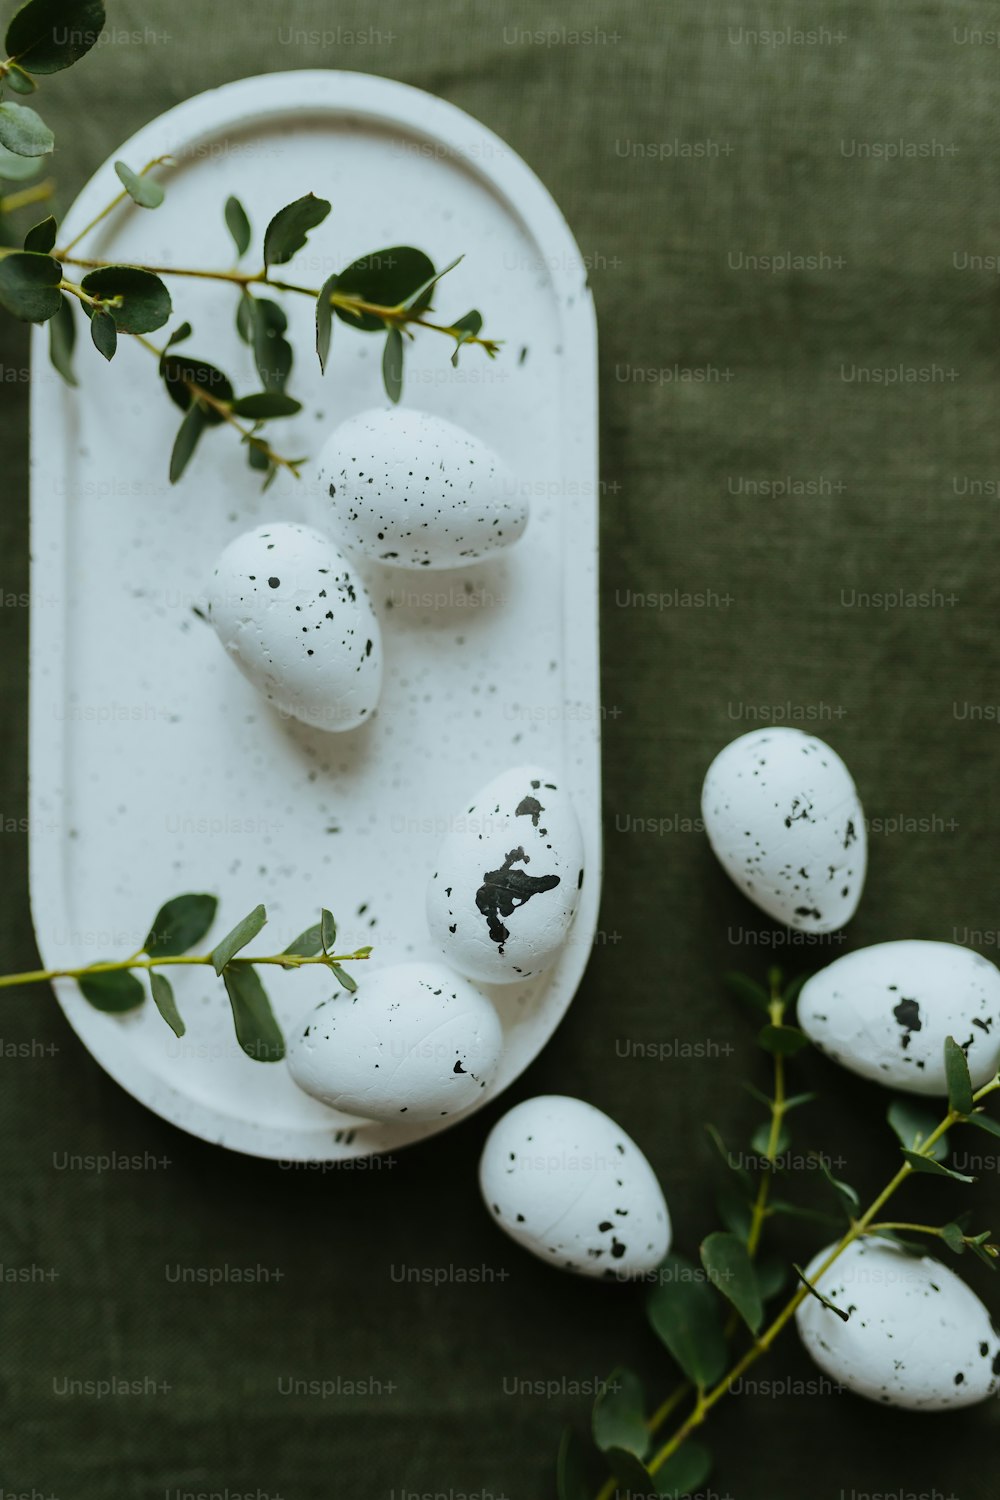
677, 143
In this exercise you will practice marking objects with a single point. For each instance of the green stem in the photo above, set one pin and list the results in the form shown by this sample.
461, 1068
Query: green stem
285, 960
108, 208
39, 192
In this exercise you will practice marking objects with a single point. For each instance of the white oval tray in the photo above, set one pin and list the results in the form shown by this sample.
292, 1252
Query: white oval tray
155, 768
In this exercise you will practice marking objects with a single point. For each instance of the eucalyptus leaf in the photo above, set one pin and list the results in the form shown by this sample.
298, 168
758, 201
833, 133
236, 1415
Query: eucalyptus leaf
29, 286
181, 371
344, 979
913, 1124
20, 81
731, 1272
634, 1480
23, 131
792, 990
62, 340
932, 1168
238, 225
748, 990
244, 932
257, 1031
795, 1101
953, 1238
271, 350
328, 931
618, 1418
571, 1470
46, 36
782, 1041
104, 333
684, 1472
180, 333
760, 1141
960, 1095
114, 990
386, 277
41, 237
288, 230
685, 1316
324, 322
469, 327
266, 404
193, 424
15, 168
163, 999
740, 1174
392, 365
141, 188
179, 925
308, 944
144, 303
984, 1122
848, 1198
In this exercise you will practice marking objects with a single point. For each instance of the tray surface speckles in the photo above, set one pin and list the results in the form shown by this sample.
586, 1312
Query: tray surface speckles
155, 768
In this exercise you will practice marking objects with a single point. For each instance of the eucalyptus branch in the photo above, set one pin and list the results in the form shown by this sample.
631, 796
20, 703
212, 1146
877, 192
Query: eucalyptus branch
922, 1149
112, 985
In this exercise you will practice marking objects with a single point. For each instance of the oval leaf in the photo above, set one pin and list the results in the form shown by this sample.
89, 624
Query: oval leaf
141, 188
392, 365
41, 237
62, 340
266, 404
116, 990
104, 333
182, 371
618, 1418
685, 1315
308, 944
29, 286
244, 932
959, 1079
20, 81
163, 999
324, 322
257, 1031
179, 924
145, 301
731, 1272
468, 328
23, 131
328, 930
186, 440
386, 277
571, 1470
14, 168
934, 1168
684, 1472
238, 225
344, 979
289, 229
271, 350
782, 1041
49, 35
914, 1124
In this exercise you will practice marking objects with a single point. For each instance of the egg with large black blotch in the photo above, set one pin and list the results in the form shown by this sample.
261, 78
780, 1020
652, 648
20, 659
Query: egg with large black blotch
565, 1181
294, 616
783, 817
413, 490
415, 1042
886, 1012
506, 881
914, 1334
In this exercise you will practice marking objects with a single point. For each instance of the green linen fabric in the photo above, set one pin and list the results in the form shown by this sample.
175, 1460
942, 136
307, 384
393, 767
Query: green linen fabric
791, 217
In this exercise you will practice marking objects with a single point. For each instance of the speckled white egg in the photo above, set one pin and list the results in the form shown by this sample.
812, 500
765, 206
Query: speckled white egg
507, 878
885, 1011
297, 621
567, 1183
415, 491
415, 1040
783, 817
917, 1336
